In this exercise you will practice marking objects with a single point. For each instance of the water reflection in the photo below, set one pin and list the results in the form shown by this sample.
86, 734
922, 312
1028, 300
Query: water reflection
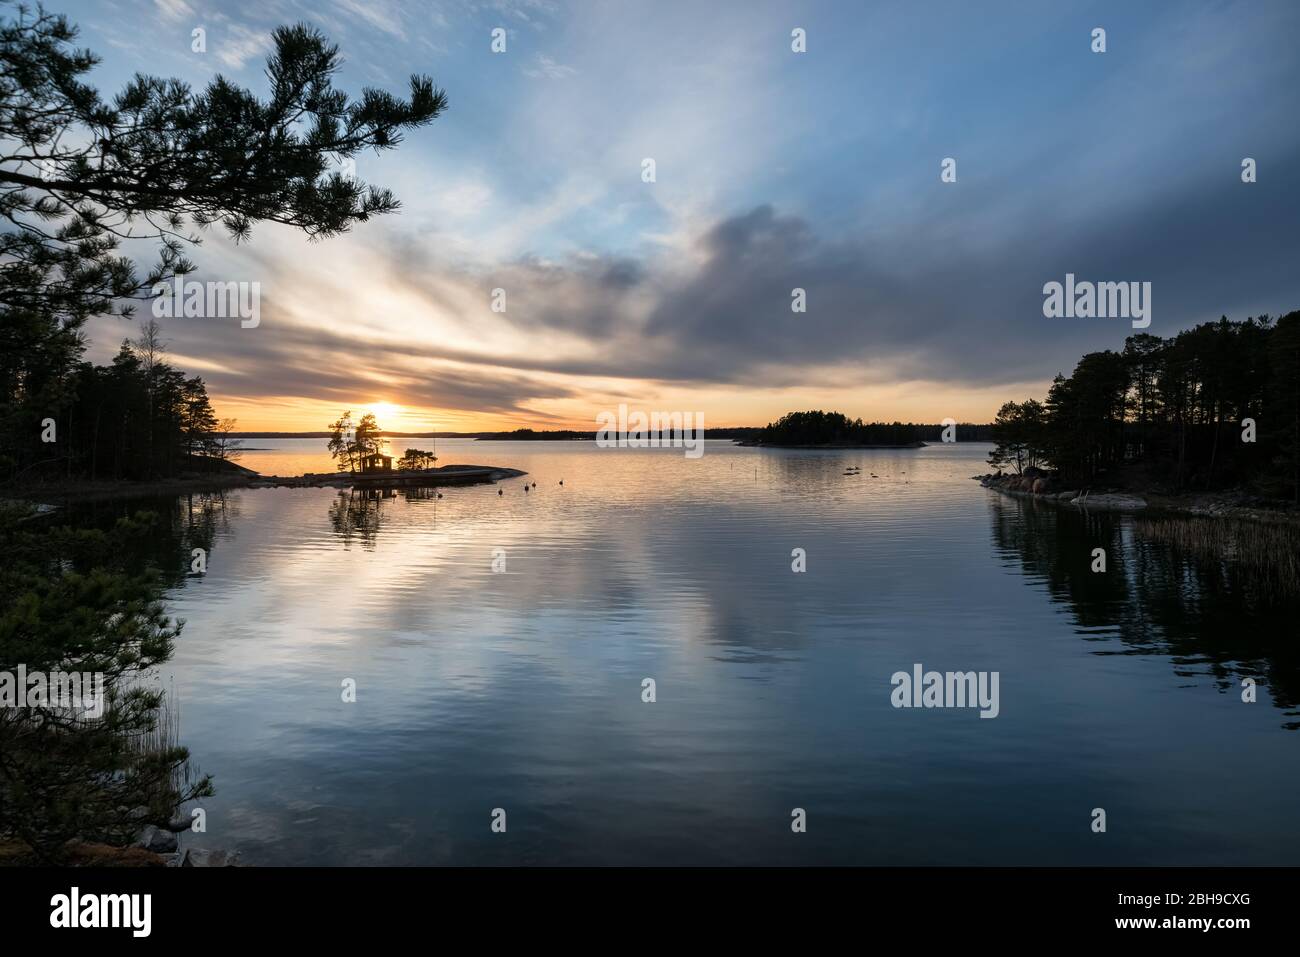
523, 688
1210, 617
83, 777
357, 514
178, 526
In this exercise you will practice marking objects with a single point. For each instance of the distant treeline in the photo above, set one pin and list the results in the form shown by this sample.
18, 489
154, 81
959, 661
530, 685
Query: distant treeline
563, 434
924, 433
326, 435
835, 428
1215, 406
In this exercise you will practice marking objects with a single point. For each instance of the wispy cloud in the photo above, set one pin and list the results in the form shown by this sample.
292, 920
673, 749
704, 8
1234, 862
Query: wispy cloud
174, 9
235, 44
382, 15
543, 67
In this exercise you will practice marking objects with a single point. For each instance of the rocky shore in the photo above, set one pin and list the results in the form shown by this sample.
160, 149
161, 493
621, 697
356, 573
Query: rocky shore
1035, 483
1042, 486
153, 847
165, 846
447, 475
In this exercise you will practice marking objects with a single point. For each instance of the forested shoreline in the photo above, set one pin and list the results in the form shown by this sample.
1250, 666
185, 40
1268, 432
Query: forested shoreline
1214, 407
136, 419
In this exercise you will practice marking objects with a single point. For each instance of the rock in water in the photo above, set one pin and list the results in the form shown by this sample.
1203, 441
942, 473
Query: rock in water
1111, 502
157, 840
201, 857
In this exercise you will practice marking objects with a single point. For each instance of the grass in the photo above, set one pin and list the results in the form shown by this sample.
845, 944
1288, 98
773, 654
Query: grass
1270, 552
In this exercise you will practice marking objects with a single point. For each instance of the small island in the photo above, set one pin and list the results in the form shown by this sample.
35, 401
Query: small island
191, 451
360, 452
835, 430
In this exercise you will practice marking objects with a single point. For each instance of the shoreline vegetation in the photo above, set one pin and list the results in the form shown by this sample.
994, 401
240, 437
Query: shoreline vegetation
1192, 429
1231, 503
1212, 411
48, 495
1225, 528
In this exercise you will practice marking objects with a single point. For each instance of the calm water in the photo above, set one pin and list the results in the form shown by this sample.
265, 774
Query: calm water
522, 690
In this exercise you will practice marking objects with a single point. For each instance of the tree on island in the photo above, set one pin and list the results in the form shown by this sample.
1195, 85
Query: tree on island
416, 459
835, 428
351, 442
366, 439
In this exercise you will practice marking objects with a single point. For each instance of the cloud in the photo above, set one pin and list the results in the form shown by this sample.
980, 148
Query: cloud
775, 171
174, 9
384, 16
543, 67
236, 44
715, 309
906, 304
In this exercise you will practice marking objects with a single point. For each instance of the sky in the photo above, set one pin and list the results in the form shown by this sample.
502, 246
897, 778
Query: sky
774, 170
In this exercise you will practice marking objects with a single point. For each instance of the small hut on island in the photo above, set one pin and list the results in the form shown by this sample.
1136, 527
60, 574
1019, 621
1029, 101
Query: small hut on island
376, 463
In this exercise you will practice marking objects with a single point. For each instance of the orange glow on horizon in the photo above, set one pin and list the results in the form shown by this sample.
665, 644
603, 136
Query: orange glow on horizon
723, 407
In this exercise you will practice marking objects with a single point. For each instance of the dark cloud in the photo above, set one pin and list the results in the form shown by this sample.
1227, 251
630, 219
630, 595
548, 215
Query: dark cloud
919, 305
283, 359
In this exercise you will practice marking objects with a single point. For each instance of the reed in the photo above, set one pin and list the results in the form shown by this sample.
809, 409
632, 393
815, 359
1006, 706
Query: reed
1270, 553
